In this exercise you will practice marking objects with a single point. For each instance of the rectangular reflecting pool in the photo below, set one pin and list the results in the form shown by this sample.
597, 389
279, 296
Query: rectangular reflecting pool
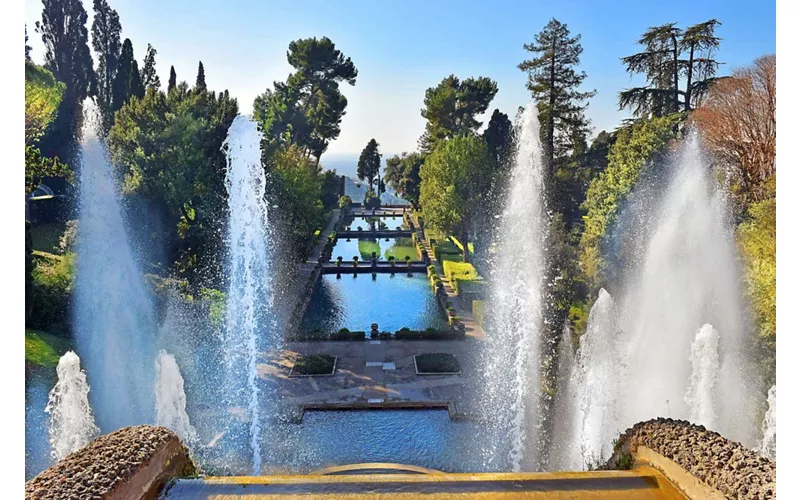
355, 302
398, 248
374, 223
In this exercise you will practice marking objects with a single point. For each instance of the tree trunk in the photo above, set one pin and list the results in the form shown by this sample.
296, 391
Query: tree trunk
464, 246
676, 103
551, 118
688, 96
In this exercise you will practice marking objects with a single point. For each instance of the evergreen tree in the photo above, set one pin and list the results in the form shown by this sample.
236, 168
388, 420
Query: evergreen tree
173, 79
106, 30
451, 107
67, 56
126, 80
662, 64
150, 78
27, 47
201, 77
135, 81
369, 163
553, 83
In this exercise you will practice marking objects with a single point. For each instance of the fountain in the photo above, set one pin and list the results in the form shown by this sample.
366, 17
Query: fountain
769, 441
249, 298
114, 320
599, 376
171, 398
705, 367
513, 362
71, 422
686, 275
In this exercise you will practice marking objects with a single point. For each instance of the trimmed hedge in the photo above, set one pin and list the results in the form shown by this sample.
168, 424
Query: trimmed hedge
446, 251
470, 290
428, 334
459, 270
347, 335
438, 362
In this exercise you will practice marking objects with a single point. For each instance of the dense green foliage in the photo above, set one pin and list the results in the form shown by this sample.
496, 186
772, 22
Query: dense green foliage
437, 362
43, 94
454, 185
636, 146
757, 240
127, 80
53, 278
402, 175
168, 150
451, 108
307, 109
150, 79
37, 167
43, 349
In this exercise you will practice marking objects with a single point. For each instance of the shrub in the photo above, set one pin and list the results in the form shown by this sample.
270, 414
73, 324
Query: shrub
348, 335
371, 200
459, 270
314, 364
52, 280
478, 311
345, 202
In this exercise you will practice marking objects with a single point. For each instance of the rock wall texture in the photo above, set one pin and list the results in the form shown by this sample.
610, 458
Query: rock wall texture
729, 467
130, 463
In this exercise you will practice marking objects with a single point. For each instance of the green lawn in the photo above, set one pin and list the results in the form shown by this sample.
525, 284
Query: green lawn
43, 349
45, 237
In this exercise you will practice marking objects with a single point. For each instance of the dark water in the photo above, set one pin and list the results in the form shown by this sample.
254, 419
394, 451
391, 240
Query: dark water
425, 438
399, 248
38, 382
374, 223
355, 302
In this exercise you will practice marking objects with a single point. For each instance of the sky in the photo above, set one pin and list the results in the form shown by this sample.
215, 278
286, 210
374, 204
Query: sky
401, 48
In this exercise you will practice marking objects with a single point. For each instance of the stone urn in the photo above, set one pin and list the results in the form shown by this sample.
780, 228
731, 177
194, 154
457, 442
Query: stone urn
373, 330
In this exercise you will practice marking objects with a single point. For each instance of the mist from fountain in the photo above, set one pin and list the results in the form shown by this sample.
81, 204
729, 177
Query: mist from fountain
114, 318
71, 422
769, 441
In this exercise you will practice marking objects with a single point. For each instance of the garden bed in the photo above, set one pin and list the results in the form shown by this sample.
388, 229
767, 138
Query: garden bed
436, 364
314, 365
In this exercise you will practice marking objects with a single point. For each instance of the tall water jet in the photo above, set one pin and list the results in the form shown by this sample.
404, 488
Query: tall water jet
599, 374
249, 300
114, 320
171, 398
71, 422
689, 276
703, 382
564, 453
513, 366
769, 441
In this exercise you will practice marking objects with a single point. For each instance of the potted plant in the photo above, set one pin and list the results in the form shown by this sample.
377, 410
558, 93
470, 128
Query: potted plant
359, 228
339, 261
408, 260
451, 312
373, 330
391, 260
355, 260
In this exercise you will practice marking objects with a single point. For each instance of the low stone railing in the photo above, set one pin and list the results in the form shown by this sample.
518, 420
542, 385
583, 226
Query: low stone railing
134, 462
727, 467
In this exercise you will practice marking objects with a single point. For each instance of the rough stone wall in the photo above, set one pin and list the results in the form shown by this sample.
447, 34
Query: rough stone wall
729, 467
133, 462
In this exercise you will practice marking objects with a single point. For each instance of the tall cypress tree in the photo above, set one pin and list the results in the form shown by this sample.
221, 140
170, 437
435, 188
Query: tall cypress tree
106, 30
201, 77
173, 79
124, 79
67, 56
150, 78
553, 83
135, 86
369, 163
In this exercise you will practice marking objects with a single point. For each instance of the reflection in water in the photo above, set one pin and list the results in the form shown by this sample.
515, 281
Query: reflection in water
398, 248
355, 302
373, 223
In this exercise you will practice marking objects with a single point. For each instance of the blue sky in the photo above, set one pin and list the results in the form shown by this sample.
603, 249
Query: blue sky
403, 47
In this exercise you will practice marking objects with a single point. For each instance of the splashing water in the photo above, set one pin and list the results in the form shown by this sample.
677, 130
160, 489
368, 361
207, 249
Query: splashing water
114, 318
600, 373
564, 453
705, 368
249, 299
513, 372
171, 398
687, 275
71, 421
769, 426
